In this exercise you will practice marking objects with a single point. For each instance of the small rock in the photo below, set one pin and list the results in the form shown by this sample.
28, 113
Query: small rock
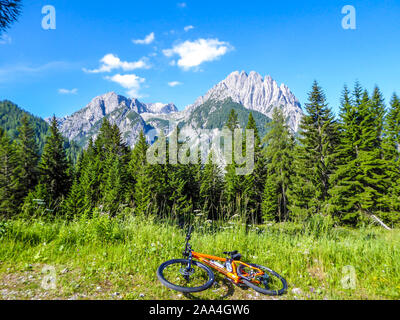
141, 295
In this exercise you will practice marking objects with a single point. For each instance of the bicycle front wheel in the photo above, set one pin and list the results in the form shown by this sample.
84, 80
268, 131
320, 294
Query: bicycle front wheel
269, 283
176, 275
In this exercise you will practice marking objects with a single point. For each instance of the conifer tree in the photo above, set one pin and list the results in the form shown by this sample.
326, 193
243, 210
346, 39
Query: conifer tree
315, 156
36, 203
361, 183
270, 205
345, 187
181, 205
392, 130
233, 186
254, 183
114, 187
9, 13
54, 165
278, 150
193, 172
138, 155
73, 205
152, 191
211, 188
391, 149
90, 181
142, 193
374, 170
28, 156
9, 177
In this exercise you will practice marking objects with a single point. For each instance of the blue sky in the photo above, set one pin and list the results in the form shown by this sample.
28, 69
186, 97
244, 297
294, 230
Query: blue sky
94, 49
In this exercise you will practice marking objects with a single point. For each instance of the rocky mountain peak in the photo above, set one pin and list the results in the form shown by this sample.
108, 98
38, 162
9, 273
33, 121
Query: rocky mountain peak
256, 93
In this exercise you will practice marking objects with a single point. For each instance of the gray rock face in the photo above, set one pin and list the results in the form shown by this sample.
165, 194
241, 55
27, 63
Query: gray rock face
159, 107
120, 110
256, 93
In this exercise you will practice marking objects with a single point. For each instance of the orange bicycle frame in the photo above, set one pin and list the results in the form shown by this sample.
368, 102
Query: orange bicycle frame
207, 260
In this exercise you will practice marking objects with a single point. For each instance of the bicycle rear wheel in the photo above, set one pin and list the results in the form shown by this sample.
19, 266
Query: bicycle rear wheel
176, 275
269, 283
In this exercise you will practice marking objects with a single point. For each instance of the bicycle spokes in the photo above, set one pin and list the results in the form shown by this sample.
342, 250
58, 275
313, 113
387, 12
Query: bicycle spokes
182, 275
261, 279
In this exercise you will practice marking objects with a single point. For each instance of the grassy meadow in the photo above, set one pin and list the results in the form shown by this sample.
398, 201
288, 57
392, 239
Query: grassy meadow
117, 258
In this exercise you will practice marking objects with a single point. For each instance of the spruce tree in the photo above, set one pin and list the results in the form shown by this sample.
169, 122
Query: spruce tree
73, 205
136, 163
278, 151
143, 195
181, 205
391, 148
345, 185
253, 183
114, 188
374, 170
152, 192
9, 13
138, 155
363, 177
392, 130
233, 185
90, 181
270, 205
211, 188
315, 157
28, 156
54, 165
9, 177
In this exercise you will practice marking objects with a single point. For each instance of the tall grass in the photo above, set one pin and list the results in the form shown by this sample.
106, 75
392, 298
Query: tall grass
310, 255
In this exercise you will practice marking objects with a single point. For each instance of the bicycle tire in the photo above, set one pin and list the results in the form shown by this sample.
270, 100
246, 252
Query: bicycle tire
165, 282
261, 290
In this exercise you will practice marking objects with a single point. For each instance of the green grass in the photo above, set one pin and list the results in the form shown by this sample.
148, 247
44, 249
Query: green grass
98, 258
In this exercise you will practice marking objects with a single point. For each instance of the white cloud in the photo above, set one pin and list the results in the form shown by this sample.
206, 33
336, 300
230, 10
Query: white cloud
188, 28
174, 83
6, 39
193, 53
129, 81
182, 4
67, 91
111, 62
149, 39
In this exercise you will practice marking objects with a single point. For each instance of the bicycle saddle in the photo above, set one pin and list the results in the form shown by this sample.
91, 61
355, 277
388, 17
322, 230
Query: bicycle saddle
235, 255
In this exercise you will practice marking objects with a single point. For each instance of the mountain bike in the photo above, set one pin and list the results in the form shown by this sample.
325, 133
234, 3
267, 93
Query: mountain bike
188, 275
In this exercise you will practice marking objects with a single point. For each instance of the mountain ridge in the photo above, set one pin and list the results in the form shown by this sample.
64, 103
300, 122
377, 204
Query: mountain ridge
252, 91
